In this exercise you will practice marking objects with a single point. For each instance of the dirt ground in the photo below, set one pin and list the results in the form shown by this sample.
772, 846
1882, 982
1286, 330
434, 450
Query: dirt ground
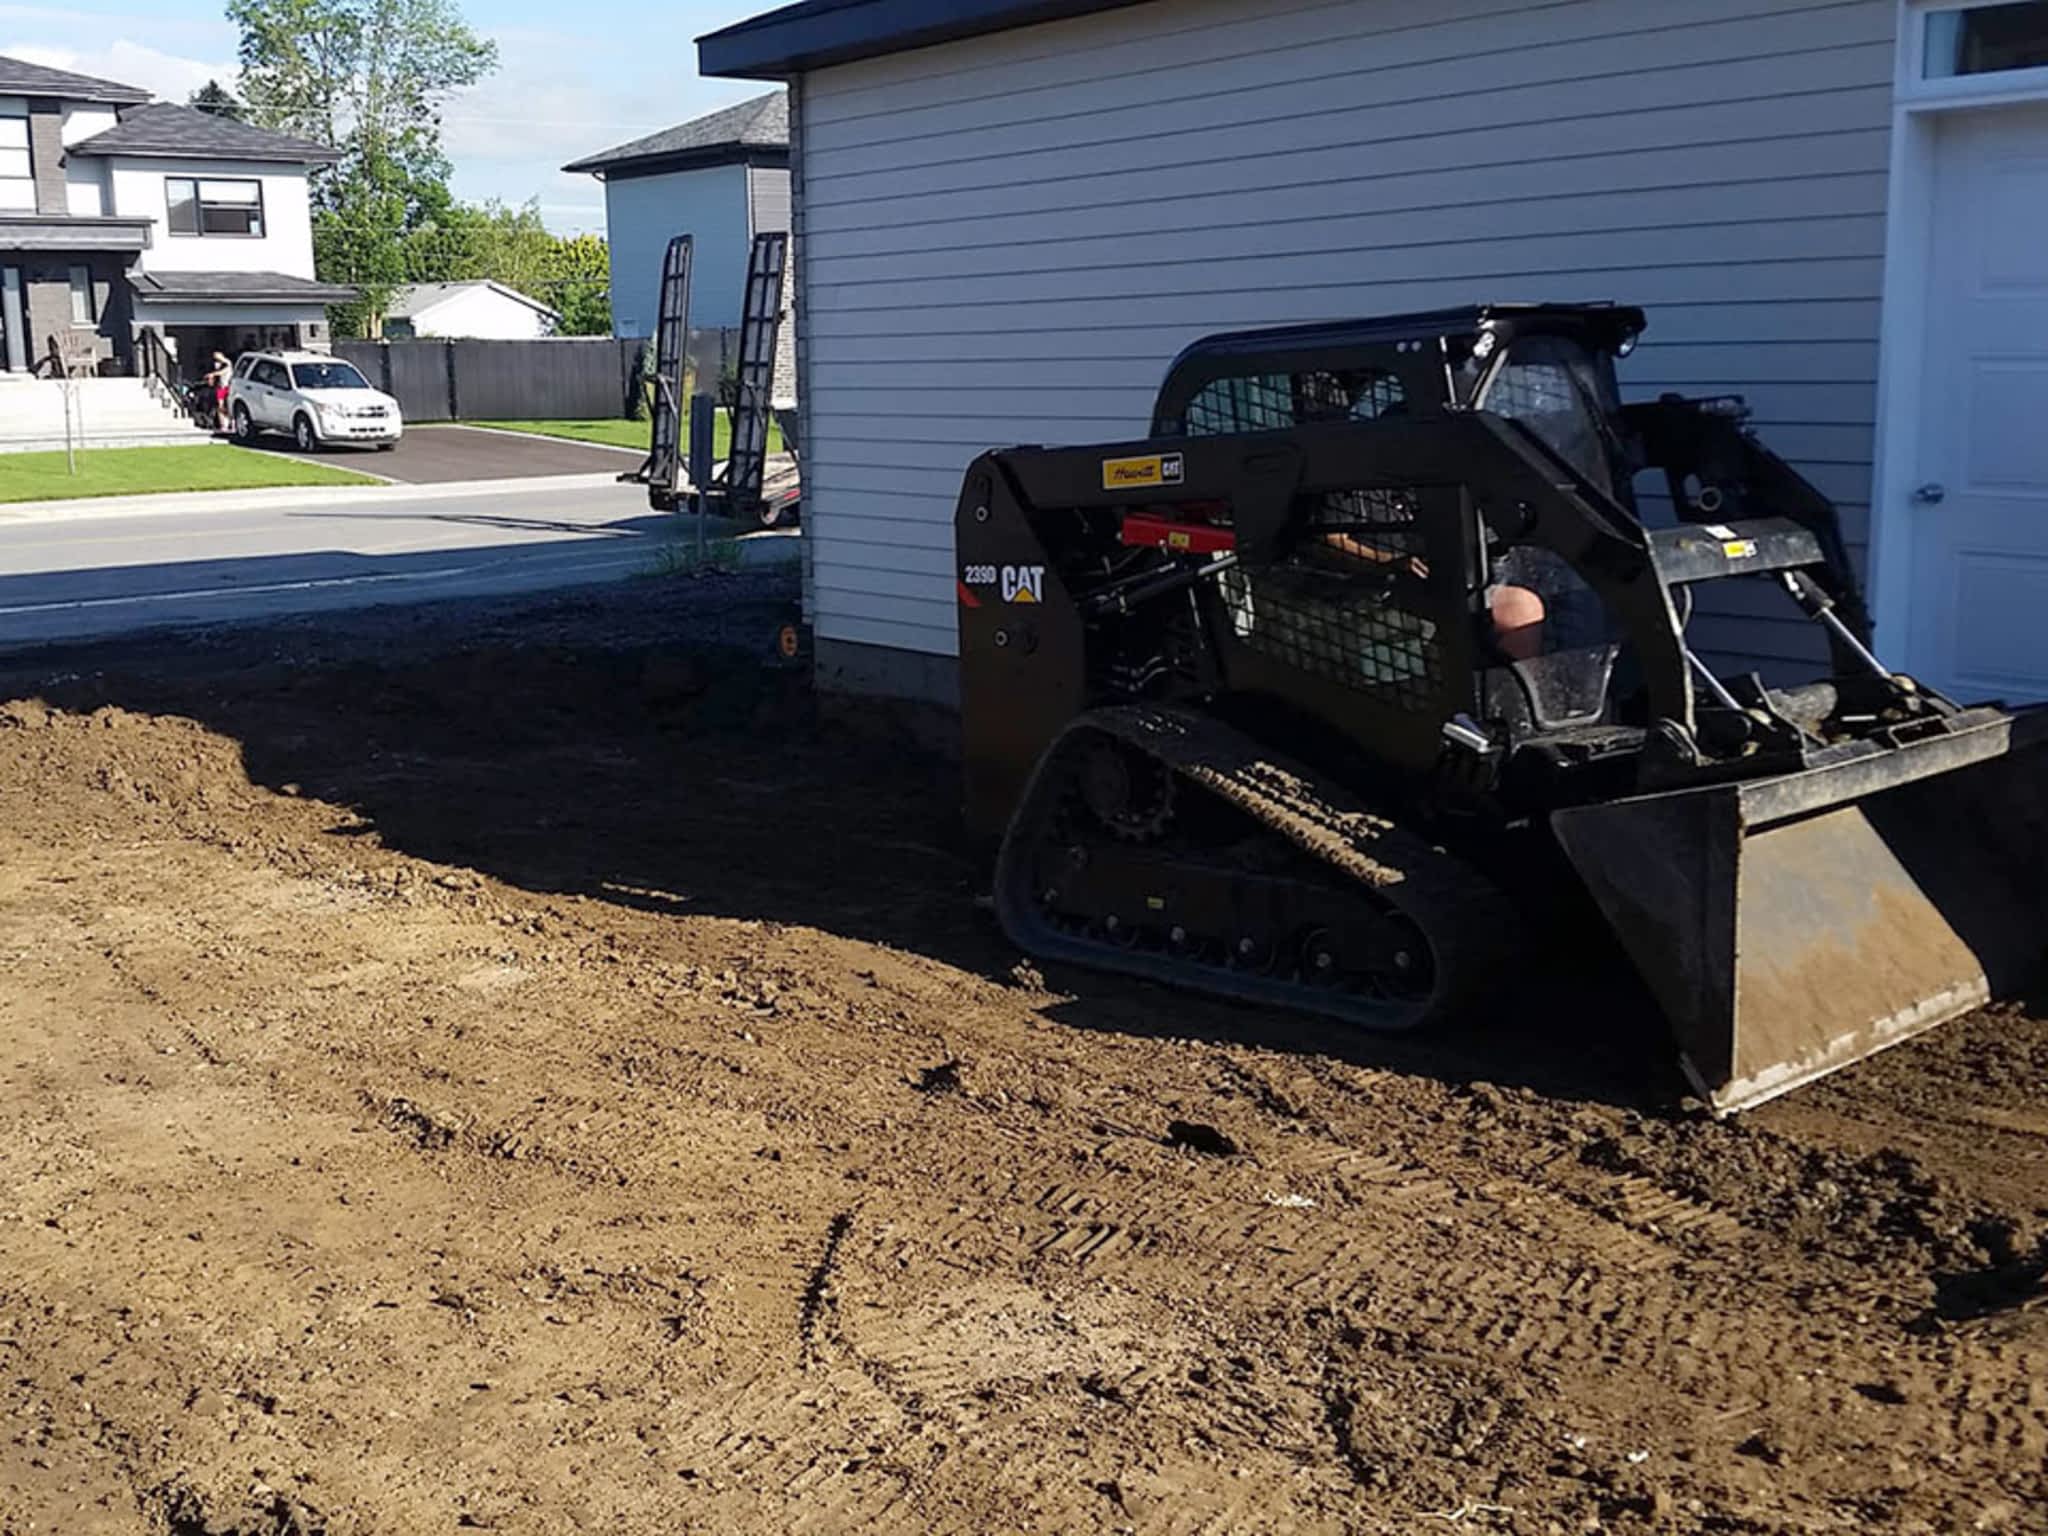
520, 1071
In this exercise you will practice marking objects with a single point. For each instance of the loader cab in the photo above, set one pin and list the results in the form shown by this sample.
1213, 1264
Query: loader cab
1388, 607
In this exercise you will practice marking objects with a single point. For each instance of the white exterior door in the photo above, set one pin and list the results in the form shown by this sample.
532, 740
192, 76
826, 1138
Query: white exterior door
1979, 516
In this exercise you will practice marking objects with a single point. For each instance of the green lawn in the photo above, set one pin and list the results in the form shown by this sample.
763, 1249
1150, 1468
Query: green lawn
139, 471
623, 434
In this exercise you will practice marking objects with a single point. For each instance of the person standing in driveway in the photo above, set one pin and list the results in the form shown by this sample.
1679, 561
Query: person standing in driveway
217, 376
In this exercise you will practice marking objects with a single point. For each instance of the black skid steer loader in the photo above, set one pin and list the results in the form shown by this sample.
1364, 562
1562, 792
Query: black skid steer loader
1310, 698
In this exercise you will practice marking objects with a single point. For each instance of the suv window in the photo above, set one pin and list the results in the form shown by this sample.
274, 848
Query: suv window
244, 366
328, 376
272, 374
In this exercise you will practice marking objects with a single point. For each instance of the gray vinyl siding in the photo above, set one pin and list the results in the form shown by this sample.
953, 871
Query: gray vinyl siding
642, 213
768, 197
1006, 239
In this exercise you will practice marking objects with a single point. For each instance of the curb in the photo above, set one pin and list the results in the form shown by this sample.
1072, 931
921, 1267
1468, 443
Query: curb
535, 437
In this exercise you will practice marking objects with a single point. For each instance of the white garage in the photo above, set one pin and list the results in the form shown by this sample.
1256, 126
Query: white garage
1012, 215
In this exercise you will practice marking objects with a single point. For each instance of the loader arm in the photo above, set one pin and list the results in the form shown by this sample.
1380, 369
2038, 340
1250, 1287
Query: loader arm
1717, 470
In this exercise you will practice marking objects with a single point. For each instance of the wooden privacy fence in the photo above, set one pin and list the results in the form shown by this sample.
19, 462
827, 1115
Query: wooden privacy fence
551, 379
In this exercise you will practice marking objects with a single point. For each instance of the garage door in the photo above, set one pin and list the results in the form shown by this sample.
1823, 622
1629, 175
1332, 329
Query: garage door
1009, 237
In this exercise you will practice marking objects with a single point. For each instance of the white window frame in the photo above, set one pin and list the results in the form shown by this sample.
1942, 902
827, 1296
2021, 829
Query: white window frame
199, 205
27, 147
1917, 107
1914, 85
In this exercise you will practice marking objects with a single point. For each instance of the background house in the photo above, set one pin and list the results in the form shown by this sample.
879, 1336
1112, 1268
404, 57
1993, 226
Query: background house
721, 178
480, 309
118, 213
1012, 213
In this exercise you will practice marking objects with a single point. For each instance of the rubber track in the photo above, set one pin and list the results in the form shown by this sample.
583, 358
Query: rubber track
1469, 922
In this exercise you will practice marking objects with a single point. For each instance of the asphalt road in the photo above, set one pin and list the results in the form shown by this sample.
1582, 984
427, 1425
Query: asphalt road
438, 455
104, 573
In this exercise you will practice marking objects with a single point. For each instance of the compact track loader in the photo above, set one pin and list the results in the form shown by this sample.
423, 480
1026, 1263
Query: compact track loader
1311, 698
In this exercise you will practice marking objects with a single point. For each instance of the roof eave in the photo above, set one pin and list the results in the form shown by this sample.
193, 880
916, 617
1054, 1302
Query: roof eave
245, 293
414, 311
87, 148
626, 167
812, 36
90, 92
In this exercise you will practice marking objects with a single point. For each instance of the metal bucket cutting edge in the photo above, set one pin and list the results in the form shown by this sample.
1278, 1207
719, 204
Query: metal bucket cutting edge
1791, 926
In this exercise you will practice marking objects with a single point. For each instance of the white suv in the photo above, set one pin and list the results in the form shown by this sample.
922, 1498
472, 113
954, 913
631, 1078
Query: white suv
318, 399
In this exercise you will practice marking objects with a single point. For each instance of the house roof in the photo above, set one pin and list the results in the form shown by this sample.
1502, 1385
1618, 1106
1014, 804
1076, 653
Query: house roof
236, 288
752, 130
818, 33
416, 298
18, 77
162, 128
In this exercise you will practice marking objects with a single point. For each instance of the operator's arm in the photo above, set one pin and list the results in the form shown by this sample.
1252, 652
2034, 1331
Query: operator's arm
1378, 554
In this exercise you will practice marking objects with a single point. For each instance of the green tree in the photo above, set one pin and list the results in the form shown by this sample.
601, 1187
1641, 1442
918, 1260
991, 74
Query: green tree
369, 77
580, 285
358, 239
217, 99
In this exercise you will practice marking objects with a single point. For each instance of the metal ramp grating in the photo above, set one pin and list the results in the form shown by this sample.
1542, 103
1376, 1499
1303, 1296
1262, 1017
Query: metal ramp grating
767, 267
663, 469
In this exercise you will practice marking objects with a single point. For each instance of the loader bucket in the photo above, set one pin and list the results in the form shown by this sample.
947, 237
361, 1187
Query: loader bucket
1792, 925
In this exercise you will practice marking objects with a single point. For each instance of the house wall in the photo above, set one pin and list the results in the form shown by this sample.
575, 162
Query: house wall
85, 176
46, 153
642, 213
1006, 239
137, 183
307, 323
46, 300
484, 314
83, 119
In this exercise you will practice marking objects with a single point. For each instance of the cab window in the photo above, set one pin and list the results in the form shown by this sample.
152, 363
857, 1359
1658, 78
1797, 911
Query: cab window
1273, 401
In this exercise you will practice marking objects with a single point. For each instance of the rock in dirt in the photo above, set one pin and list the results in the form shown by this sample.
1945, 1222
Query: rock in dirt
944, 1078
1196, 1137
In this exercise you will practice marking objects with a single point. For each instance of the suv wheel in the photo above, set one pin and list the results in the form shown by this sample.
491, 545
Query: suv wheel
245, 425
302, 433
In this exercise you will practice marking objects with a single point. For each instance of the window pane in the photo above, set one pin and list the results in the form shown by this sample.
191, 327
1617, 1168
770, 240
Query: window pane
1551, 387
183, 198
81, 296
328, 376
17, 194
1987, 40
229, 191
14, 162
216, 220
13, 133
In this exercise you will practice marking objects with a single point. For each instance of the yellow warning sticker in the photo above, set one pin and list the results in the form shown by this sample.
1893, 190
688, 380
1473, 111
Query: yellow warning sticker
1739, 549
1136, 474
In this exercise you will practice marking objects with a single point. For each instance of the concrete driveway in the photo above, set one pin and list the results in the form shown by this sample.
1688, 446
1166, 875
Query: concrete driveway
437, 455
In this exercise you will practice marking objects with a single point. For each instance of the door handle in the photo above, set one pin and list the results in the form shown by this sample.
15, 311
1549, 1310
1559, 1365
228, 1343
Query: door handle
1932, 494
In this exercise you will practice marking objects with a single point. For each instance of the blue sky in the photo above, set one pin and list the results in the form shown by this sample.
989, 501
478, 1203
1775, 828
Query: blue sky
572, 78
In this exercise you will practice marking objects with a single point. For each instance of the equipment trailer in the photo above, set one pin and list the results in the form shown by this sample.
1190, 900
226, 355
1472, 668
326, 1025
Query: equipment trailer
1309, 696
